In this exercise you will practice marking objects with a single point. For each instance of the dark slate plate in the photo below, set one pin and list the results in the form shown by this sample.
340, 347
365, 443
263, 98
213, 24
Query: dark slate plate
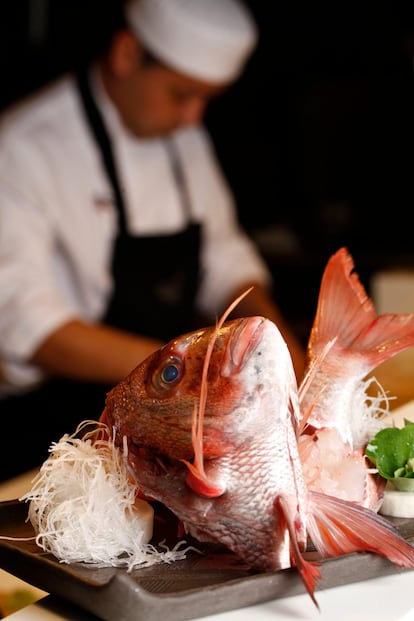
202, 584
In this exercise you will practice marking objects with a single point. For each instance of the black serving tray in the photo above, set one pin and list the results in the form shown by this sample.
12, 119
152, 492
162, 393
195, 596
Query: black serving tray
204, 583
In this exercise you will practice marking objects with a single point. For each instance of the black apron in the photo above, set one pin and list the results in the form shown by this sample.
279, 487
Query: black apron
155, 282
155, 277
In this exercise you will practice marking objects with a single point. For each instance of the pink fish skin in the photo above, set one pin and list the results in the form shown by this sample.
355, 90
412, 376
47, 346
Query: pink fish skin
347, 342
250, 458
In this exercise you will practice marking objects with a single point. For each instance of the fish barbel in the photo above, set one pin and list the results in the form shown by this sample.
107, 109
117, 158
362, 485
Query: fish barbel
211, 423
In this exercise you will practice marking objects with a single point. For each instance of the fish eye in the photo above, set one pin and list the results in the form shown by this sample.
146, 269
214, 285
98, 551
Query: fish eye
169, 373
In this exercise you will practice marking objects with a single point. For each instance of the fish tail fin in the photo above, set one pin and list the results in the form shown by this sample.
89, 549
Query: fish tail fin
357, 328
308, 570
340, 527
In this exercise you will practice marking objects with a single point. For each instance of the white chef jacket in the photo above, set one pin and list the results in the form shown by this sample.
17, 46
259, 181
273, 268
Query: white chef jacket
58, 220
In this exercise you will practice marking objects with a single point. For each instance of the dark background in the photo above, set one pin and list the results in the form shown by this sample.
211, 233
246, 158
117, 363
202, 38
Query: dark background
316, 138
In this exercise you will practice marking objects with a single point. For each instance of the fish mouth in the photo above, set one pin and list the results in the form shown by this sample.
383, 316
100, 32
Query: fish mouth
145, 462
245, 335
142, 460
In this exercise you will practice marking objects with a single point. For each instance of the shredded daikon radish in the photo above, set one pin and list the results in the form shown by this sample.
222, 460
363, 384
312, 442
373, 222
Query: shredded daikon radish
83, 505
370, 412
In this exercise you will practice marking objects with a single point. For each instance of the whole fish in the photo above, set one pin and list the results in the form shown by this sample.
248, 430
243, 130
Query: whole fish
347, 342
244, 458
211, 424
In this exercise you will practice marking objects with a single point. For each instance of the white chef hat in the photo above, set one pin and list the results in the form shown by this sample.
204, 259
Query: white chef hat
206, 39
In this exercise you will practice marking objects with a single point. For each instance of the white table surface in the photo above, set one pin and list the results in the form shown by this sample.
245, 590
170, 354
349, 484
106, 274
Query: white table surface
388, 598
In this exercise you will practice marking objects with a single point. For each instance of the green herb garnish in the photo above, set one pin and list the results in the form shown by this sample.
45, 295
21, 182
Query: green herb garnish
391, 450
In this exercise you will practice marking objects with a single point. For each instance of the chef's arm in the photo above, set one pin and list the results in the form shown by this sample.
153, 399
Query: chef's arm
259, 302
92, 352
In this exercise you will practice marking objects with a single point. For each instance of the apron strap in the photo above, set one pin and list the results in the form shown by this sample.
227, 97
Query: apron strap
179, 177
103, 142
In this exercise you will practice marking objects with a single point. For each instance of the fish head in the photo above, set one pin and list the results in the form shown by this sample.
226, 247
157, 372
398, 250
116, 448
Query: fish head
155, 405
216, 443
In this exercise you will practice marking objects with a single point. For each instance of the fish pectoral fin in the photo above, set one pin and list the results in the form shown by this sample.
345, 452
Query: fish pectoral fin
338, 527
308, 570
200, 484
